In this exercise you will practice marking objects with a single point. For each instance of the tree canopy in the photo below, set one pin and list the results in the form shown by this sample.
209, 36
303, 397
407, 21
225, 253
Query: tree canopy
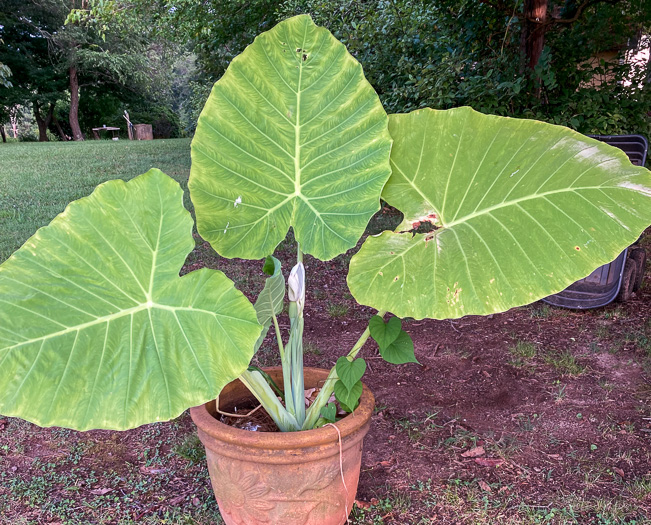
564, 61
61, 66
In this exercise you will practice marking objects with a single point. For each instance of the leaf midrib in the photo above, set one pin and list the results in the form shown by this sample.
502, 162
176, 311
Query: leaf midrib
515, 202
147, 306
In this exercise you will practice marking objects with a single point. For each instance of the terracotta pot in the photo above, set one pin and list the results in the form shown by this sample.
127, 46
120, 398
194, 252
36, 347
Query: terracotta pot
283, 478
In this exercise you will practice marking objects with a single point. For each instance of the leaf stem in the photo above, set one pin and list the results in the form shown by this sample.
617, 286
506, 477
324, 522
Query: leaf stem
279, 338
259, 387
314, 411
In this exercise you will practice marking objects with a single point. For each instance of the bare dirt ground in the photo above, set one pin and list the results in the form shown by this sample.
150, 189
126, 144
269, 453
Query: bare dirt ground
537, 415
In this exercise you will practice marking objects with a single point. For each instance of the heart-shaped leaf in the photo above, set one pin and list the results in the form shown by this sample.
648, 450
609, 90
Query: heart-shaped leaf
350, 372
348, 398
291, 135
97, 329
329, 412
384, 333
518, 210
400, 351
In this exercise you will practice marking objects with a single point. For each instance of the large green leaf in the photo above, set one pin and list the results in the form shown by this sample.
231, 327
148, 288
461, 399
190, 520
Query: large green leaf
97, 329
521, 209
292, 135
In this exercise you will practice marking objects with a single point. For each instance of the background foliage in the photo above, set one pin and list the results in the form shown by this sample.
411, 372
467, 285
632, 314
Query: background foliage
159, 59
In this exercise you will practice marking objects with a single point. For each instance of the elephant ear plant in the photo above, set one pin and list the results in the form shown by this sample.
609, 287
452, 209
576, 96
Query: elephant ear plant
97, 329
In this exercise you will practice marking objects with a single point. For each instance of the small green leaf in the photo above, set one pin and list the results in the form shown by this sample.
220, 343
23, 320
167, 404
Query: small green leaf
270, 264
348, 399
271, 298
384, 333
400, 351
350, 372
329, 412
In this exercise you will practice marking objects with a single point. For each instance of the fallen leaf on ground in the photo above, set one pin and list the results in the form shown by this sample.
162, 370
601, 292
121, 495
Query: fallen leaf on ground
619, 472
489, 462
309, 394
100, 492
152, 470
363, 504
474, 452
175, 501
484, 486
555, 456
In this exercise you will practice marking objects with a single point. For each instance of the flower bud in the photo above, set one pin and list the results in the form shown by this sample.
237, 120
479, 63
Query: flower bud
296, 286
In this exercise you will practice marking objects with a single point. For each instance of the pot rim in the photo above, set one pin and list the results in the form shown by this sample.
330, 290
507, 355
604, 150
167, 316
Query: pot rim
350, 424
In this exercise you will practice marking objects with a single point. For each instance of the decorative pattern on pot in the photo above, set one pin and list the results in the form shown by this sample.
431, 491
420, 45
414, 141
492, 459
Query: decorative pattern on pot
247, 498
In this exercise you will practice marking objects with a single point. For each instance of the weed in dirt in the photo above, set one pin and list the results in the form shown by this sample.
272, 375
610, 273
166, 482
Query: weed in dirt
601, 331
507, 447
430, 421
564, 362
395, 504
522, 353
191, 449
639, 489
527, 423
625, 456
461, 439
379, 407
311, 348
540, 311
414, 432
614, 347
559, 392
523, 349
425, 488
614, 312
641, 339
337, 310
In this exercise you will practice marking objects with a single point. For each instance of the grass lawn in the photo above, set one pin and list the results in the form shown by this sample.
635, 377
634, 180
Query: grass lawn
38, 180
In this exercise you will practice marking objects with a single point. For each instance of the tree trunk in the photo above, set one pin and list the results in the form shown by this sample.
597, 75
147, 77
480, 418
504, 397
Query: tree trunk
532, 39
74, 104
13, 119
43, 123
2, 132
57, 125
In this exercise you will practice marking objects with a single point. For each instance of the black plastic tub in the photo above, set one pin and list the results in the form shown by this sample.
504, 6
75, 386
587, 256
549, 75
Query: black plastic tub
623, 276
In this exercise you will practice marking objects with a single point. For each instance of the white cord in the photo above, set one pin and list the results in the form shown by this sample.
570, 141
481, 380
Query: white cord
341, 468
